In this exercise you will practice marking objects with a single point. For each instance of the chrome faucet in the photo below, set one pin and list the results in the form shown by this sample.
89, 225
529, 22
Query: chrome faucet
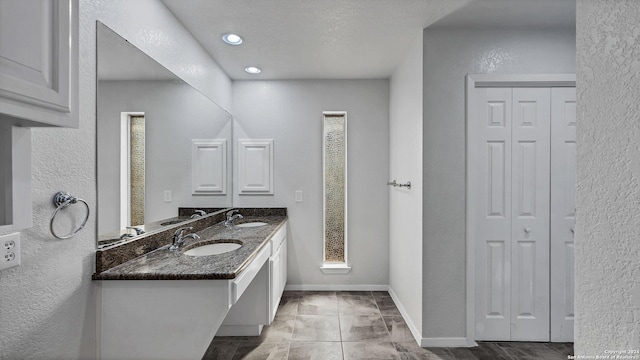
230, 217
128, 233
179, 237
137, 230
198, 213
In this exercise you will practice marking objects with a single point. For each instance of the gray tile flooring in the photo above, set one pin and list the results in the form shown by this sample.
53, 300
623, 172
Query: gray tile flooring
348, 325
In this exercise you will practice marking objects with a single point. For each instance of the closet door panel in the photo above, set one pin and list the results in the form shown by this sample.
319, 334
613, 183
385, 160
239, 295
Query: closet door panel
490, 199
563, 177
530, 214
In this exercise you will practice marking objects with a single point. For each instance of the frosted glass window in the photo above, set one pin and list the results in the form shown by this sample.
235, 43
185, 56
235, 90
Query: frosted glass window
335, 186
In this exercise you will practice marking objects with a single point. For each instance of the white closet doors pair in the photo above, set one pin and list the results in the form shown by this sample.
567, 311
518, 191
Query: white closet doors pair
521, 186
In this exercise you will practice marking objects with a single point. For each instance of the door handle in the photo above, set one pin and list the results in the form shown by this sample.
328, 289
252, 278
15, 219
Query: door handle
527, 229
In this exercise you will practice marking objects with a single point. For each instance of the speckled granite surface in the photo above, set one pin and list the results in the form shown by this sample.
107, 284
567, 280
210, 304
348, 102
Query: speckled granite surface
116, 254
162, 264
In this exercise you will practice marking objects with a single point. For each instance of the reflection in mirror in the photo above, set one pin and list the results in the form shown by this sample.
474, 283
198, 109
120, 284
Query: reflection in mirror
161, 144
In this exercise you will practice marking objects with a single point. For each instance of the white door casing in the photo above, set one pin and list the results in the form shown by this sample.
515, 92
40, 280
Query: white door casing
563, 178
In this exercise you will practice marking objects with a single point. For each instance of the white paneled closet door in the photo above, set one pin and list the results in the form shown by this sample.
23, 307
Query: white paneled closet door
521, 190
510, 187
563, 179
490, 192
530, 214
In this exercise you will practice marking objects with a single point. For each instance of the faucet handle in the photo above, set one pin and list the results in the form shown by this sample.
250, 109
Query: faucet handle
181, 231
230, 213
136, 229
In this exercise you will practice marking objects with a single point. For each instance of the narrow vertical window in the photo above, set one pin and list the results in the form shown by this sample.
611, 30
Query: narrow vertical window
137, 166
334, 153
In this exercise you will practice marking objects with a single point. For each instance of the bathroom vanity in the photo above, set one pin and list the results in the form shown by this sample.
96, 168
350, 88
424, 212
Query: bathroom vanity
166, 304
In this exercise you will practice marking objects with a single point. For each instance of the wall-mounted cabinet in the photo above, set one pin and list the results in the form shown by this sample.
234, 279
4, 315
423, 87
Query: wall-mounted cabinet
209, 166
39, 62
255, 167
38, 87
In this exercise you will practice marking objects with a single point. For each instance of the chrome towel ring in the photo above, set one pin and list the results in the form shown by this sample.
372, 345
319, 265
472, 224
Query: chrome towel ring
61, 200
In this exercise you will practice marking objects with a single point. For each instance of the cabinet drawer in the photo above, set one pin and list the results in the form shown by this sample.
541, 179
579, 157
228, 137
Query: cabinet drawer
242, 282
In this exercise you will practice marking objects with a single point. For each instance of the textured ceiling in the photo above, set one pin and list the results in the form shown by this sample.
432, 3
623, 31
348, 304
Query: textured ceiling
310, 39
342, 39
513, 14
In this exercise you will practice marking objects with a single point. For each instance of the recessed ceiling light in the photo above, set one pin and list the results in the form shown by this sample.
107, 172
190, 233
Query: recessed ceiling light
253, 70
232, 39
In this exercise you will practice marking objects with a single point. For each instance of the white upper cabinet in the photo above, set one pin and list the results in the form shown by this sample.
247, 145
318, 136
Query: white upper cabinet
39, 62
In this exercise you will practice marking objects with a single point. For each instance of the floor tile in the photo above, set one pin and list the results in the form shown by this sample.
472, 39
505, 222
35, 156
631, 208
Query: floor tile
220, 350
354, 293
316, 328
318, 304
357, 305
529, 351
315, 351
261, 351
387, 306
412, 351
321, 293
363, 328
377, 294
293, 294
464, 354
369, 351
288, 306
398, 329
488, 351
565, 349
280, 330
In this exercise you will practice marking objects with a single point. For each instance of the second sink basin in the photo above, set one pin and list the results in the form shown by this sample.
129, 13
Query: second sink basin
251, 224
213, 249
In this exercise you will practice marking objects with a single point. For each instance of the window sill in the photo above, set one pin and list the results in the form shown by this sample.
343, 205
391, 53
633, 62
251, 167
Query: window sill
329, 268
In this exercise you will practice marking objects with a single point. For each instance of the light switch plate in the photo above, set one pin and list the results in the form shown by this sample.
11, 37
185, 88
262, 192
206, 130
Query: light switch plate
9, 251
299, 196
167, 195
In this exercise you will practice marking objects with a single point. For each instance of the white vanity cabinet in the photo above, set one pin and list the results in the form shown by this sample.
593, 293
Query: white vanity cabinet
277, 270
39, 62
258, 306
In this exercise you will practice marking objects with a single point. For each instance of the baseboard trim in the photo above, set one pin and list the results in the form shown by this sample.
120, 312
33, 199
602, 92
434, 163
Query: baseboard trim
336, 287
447, 342
405, 315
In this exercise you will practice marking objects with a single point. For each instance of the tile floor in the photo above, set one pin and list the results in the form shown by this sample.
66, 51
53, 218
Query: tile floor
348, 325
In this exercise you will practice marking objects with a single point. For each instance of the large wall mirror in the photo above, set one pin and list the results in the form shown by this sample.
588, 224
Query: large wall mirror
161, 144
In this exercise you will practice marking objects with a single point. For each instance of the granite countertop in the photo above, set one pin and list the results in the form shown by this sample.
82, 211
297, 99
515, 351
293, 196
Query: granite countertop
163, 264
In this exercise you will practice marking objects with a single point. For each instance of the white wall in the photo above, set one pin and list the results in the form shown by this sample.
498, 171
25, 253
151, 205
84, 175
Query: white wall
449, 55
175, 114
405, 164
47, 305
290, 112
607, 250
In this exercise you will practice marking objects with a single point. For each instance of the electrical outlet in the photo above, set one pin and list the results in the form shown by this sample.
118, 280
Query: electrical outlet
9, 250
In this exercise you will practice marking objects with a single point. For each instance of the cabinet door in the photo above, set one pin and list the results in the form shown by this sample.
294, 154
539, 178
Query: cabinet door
275, 280
39, 61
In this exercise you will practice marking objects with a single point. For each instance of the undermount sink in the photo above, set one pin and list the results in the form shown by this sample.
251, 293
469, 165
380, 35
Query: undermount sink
251, 224
213, 249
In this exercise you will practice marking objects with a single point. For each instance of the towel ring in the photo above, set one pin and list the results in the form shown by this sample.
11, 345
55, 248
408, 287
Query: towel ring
61, 200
